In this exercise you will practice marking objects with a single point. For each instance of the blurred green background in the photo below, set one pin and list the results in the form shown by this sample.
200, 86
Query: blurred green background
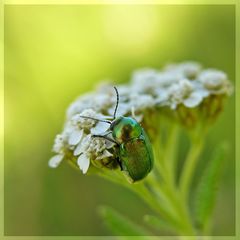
55, 53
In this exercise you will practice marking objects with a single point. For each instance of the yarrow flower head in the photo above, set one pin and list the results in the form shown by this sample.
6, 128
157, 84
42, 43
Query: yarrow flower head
177, 88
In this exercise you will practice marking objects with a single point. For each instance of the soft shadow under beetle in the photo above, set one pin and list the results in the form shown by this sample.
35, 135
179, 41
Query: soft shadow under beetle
135, 150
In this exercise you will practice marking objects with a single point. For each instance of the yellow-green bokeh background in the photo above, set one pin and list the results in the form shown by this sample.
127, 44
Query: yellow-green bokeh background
55, 53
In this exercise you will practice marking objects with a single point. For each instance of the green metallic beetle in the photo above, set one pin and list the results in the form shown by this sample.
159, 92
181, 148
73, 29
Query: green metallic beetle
135, 150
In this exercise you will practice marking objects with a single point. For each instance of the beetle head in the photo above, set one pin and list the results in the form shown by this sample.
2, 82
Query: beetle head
125, 128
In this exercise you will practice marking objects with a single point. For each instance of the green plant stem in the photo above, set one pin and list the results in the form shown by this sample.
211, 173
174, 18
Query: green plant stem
141, 190
170, 154
166, 171
165, 155
189, 167
184, 225
158, 190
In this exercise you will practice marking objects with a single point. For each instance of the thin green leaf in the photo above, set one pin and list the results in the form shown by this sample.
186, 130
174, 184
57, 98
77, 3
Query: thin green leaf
119, 224
206, 192
158, 223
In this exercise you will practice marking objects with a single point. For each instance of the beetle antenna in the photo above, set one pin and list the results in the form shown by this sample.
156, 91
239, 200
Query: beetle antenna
106, 121
115, 111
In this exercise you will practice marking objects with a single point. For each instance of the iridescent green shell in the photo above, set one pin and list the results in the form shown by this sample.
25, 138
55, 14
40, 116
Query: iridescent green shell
136, 157
135, 153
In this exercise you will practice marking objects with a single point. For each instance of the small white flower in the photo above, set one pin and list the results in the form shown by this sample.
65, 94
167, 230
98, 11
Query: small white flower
92, 148
183, 92
124, 91
103, 101
80, 122
215, 81
144, 79
59, 143
97, 145
141, 101
179, 91
148, 80
123, 109
188, 69
167, 79
161, 96
79, 105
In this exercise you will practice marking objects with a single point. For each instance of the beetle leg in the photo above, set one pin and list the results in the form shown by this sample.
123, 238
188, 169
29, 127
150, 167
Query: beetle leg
120, 164
107, 138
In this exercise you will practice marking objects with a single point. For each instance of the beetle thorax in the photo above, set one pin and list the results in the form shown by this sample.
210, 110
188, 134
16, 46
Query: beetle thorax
125, 128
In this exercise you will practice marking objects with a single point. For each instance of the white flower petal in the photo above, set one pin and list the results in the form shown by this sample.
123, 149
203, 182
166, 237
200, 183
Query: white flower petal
100, 127
83, 145
55, 161
78, 149
85, 166
193, 100
75, 137
204, 93
109, 144
105, 154
83, 162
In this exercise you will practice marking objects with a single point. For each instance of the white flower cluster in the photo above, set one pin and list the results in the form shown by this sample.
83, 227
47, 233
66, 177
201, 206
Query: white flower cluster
185, 83
77, 137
